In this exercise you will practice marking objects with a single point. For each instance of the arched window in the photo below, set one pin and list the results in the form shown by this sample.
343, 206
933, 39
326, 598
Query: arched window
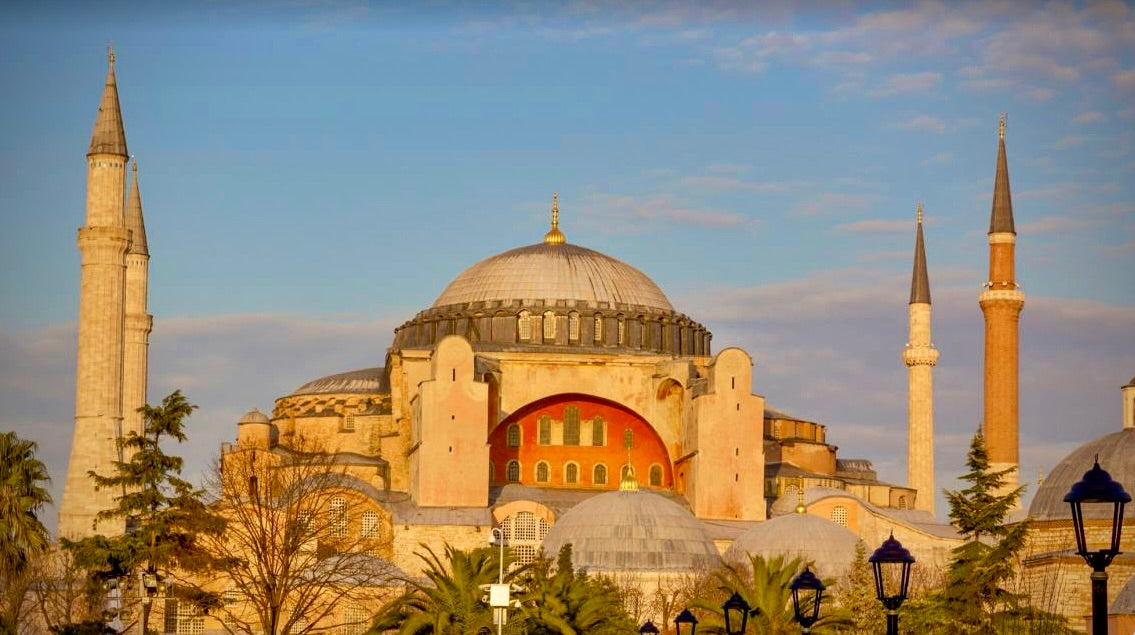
549, 326
571, 425
902, 502
656, 475
571, 473
598, 431
839, 515
513, 470
524, 532
573, 326
524, 325
628, 439
643, 333
369, 526
545, 429
622, 331
599, 475
542, 472
513, 435
337, 517
598, 328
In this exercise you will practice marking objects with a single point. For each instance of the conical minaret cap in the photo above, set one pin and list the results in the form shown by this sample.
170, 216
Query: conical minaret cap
134, 220
109, 136
1001, 218
920, 279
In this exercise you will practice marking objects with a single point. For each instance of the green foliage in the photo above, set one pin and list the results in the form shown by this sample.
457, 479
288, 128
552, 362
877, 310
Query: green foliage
557, 600
23, 494
765, 586
977, 598
449, 601
856, 596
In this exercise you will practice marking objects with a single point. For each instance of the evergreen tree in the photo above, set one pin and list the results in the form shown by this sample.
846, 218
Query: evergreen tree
557, 600
977, 598
162, 512
856, 596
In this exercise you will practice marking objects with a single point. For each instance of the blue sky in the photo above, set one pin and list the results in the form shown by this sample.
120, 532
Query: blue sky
313, 173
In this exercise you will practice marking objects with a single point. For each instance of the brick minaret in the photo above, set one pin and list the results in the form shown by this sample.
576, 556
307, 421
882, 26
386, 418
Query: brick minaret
138, 321
920, 356
103, 243
1001, 302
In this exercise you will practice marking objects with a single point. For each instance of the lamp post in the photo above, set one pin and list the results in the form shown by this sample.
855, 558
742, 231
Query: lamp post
891, 563
736, 611
686, 623
499, 592
648, 629
807, 609
1097, 488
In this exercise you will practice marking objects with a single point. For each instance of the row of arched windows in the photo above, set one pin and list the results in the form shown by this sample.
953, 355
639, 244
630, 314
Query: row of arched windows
571, 472
369, 525
571, 432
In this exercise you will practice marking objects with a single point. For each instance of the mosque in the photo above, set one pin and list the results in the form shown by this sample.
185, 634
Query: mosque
555, 394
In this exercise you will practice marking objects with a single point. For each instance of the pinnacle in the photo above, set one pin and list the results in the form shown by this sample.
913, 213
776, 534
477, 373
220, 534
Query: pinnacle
109, 136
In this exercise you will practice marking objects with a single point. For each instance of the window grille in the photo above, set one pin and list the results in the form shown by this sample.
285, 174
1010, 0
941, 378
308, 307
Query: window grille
369, 527
355, 621
598, 328
524, 326
190, 621
839, 515
524, 532
349, 423
571, 425
337, 517
573, 326
622, 331
549, 326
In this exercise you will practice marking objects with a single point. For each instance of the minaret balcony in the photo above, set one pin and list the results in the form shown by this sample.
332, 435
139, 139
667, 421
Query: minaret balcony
920, 356
1001, 295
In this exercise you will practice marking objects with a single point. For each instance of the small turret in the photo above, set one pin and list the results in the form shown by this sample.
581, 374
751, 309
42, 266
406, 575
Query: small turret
254, 430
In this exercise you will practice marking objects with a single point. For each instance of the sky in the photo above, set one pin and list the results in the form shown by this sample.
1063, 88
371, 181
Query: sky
314, 172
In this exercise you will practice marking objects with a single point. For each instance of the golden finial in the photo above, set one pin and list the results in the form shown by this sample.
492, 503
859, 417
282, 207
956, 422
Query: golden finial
110, 53
800, 508
134, 166
554, 235
1001, 127
918, 212
628, 483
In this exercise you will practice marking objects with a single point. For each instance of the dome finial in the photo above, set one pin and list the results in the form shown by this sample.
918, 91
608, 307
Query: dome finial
628, 483
554, 235
110, 53
1001, 127
800, 508
918, 212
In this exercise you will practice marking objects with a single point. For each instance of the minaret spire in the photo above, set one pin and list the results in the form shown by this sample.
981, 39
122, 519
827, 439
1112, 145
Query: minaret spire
1001, 302
920, 357
109, 135
554, 235
138, 321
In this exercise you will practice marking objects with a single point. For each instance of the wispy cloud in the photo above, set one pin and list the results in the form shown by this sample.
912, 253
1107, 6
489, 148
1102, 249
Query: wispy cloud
941, 158
1069, 141
1124, 79
827, 202
874, 226
921, 122
729, 183
622, 213
908, 83
1090, 116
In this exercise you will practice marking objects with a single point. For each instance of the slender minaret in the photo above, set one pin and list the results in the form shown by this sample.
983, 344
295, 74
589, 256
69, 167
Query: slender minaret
920, 356
1001, 302
103, 242
138, 321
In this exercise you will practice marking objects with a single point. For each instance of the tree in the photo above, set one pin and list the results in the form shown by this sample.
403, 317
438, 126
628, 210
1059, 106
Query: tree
163, 514
765, 586
977, 597
856, 595
23, 495
449, 601
557, 600
301, 542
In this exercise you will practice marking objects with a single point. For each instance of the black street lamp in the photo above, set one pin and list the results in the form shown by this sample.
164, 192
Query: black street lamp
686, 623
648, 629
736, 611
1098, 488
807, 608
891, 563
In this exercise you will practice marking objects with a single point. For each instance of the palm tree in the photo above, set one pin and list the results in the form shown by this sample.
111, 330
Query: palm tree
558, 601
765, 586
448, 601
22, 497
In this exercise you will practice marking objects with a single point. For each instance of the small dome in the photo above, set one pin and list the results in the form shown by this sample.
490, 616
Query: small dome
632, 531
1124, 603
1116, 453
254, 416
554, 271
830, 547
1130, 384
366, 380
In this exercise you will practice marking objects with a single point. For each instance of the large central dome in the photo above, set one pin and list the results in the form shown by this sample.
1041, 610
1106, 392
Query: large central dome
551, 271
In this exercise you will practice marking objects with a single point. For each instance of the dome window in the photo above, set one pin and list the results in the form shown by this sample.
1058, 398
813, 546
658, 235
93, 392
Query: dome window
549, 326
622, 331
524, 326
573, 326
598, 329
347, 424
599, 475
542, 472
656, 475
513, 471
839, 515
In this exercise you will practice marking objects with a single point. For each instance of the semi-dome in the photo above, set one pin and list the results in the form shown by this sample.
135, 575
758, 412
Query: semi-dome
365, 380
632, 531
1116, 452
552, 271
830, 547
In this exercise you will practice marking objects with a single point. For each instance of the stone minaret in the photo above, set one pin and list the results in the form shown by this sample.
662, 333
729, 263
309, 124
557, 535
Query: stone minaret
920, 356
103, 243
138, 321
1001, 302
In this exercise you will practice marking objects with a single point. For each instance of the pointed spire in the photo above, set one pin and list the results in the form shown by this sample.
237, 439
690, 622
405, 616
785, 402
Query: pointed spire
554, 235
1001, 219
109, 137
919, 280
134, 220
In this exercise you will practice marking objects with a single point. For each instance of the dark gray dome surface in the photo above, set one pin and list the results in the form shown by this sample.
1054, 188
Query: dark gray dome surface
1124, 603
830, 547
1116, 454
366, 380
632, 531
